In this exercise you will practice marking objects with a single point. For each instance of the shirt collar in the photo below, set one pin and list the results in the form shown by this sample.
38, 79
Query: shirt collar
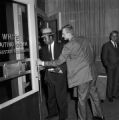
113, 42
52, 44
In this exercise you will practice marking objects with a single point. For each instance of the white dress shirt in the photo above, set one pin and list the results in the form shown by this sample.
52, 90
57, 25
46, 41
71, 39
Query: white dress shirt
114, 44
52, 49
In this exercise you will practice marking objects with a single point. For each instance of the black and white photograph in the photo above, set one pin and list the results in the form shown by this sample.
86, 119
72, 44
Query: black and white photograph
59, 60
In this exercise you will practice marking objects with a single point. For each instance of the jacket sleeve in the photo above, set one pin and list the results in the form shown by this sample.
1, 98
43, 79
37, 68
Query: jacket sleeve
62, 58
104, 55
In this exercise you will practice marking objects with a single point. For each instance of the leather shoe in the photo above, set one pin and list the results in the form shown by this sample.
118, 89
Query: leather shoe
110, 99
62, 118
51, 116
98, 118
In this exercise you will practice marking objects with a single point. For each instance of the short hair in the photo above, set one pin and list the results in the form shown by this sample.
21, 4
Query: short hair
113, 32
68, 28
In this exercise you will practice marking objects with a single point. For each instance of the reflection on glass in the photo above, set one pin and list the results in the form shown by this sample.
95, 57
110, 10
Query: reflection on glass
15, 74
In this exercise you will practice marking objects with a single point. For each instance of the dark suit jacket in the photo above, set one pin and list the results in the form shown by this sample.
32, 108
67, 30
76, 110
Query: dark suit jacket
109, 55
46, 56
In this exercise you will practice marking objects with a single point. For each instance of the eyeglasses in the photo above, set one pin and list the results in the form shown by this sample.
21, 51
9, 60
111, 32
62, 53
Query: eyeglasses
47, 37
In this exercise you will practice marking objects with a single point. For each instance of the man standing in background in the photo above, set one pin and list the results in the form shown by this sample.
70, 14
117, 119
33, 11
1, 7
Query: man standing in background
110, 60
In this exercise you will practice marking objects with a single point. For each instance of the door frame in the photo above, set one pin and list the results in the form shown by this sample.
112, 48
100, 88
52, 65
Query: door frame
33, 53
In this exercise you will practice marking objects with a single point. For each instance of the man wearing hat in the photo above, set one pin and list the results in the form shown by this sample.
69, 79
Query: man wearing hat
55, 77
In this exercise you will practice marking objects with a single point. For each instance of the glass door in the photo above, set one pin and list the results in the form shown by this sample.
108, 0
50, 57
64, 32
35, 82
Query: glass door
18, 54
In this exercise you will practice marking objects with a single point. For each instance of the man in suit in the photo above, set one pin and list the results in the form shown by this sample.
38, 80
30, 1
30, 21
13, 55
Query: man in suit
55, 77
78, 54
110, 60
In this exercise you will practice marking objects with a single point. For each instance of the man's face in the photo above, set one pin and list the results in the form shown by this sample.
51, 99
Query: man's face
114, 37
65, 34
48, 39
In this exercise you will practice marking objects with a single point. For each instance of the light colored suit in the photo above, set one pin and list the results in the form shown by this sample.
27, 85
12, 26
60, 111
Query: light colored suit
78, 54
79, 58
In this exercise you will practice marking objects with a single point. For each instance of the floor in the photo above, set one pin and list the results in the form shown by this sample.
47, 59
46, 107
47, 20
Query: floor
110, 110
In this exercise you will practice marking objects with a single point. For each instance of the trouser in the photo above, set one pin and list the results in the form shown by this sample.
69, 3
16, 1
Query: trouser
116, 83
57, 97
85, 91
112, 83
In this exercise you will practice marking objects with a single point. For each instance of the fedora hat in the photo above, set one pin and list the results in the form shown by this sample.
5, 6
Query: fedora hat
47, 31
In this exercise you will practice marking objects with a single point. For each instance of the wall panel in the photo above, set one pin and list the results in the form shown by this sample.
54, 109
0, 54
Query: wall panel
94, 19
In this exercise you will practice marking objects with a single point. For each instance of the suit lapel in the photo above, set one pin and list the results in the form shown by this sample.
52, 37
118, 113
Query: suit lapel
111, 44
56, 50
47, 54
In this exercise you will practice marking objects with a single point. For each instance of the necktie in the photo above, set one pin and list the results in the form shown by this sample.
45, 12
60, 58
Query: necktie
50, 51
115, 44
49, 48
